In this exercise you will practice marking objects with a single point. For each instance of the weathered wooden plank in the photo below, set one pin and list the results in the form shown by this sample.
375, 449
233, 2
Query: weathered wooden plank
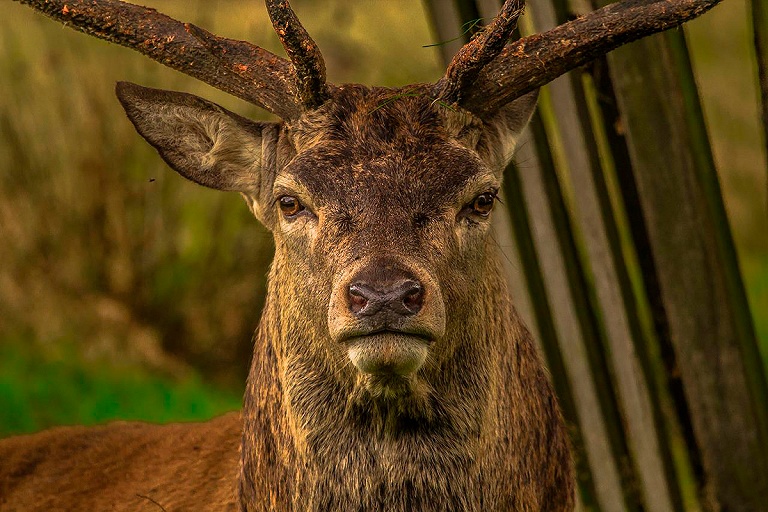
446, 23
648, 471
559, 269
544, 319
699, 286
664, 382
575, 157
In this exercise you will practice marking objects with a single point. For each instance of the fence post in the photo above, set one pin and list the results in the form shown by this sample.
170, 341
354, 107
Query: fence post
700, 295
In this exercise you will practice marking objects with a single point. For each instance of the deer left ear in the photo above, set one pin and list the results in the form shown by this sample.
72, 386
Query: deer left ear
204, 142
502, 130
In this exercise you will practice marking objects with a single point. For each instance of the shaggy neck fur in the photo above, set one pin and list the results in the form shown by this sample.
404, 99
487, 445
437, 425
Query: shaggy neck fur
480, 432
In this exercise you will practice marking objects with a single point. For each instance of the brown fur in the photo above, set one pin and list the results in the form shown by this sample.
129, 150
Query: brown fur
482, 430
386, 177
123, 467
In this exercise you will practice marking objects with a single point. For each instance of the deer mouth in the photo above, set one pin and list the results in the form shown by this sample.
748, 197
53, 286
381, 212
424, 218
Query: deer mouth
388, 352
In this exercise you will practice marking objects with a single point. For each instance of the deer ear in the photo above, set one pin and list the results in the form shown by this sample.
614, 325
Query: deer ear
202, 141
502, 129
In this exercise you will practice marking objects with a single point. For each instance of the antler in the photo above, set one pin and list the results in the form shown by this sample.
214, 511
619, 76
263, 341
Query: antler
482, 77
475, 55
303, 52
536, 60
236, 67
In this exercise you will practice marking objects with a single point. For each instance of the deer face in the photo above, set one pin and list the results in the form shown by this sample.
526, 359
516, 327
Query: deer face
380, 204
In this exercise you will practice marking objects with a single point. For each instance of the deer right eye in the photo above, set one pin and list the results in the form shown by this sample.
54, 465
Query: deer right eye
483, 204
290, 206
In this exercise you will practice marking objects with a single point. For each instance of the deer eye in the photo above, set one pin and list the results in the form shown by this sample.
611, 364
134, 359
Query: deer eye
483, 204
290, 206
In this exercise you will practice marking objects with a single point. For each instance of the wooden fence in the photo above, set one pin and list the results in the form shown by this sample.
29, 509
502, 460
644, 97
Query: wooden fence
621, 260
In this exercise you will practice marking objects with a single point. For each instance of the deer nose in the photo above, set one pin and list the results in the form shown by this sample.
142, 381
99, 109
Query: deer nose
384, 305
403, 297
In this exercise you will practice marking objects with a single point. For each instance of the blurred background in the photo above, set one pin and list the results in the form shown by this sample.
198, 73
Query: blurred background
127, 292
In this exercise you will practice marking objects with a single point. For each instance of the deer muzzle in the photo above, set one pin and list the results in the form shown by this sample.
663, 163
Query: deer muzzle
387, 314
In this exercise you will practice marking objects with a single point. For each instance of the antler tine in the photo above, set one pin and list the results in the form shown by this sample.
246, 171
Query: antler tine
303, 52
536, 60
236, 67
476, 54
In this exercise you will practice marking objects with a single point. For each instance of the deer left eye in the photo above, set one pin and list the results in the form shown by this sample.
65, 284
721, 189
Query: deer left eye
290, 206
483, 204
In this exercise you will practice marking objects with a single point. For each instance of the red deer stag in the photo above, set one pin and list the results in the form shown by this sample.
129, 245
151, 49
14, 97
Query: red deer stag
390, 370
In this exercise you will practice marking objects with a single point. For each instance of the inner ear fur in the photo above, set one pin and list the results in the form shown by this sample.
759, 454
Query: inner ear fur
502, 129
200, 140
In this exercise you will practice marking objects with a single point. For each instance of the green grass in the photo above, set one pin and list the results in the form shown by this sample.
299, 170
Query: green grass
38, 392
755, 269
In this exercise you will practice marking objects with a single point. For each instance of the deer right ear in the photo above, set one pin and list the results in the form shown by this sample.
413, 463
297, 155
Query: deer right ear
503, 129
204, 142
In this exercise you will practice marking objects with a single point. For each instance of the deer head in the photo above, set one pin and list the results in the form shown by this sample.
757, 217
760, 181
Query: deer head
374, 197
379, 199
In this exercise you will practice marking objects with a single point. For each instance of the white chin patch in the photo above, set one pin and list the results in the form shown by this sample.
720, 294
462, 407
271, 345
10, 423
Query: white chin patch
388, 353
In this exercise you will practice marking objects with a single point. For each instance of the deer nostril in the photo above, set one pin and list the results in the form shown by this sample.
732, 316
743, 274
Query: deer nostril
413, 296
358, 298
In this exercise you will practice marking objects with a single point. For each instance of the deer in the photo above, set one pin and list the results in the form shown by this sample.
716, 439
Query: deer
390, 368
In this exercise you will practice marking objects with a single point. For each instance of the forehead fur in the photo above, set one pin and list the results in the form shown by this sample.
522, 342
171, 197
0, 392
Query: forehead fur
399, 140
358, 115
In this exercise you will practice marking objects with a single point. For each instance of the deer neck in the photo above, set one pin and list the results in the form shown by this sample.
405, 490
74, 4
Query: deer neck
315, 440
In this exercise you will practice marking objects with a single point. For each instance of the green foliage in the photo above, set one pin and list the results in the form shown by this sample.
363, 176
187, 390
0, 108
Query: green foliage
755, 269
110, 246
38, 392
